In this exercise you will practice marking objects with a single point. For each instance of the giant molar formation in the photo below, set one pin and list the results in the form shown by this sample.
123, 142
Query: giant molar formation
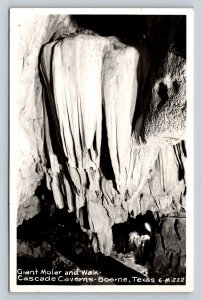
98, 162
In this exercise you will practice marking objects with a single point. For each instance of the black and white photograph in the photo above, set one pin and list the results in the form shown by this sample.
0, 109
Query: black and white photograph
101, 150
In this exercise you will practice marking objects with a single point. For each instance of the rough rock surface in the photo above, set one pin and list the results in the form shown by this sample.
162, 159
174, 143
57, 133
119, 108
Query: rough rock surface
166, 118
170, 250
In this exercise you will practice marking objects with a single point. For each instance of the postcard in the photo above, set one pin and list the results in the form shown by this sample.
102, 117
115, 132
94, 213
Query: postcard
101, 150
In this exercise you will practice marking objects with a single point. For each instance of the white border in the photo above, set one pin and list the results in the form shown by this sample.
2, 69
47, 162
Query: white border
14, 13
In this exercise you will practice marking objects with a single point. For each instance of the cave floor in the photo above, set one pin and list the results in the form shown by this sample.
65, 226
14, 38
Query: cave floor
58, 244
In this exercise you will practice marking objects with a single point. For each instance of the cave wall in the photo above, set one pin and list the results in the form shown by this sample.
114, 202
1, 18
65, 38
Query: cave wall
31, 158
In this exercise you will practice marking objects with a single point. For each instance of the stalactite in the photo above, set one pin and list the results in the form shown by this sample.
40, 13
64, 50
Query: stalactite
90, 83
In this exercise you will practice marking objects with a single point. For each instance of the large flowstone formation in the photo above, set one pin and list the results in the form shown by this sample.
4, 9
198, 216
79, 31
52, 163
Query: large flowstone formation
112, 140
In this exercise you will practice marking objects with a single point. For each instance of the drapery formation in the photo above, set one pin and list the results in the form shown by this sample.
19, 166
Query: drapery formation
97, 164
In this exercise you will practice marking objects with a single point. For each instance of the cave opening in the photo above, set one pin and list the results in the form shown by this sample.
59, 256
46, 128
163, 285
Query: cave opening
136, 238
